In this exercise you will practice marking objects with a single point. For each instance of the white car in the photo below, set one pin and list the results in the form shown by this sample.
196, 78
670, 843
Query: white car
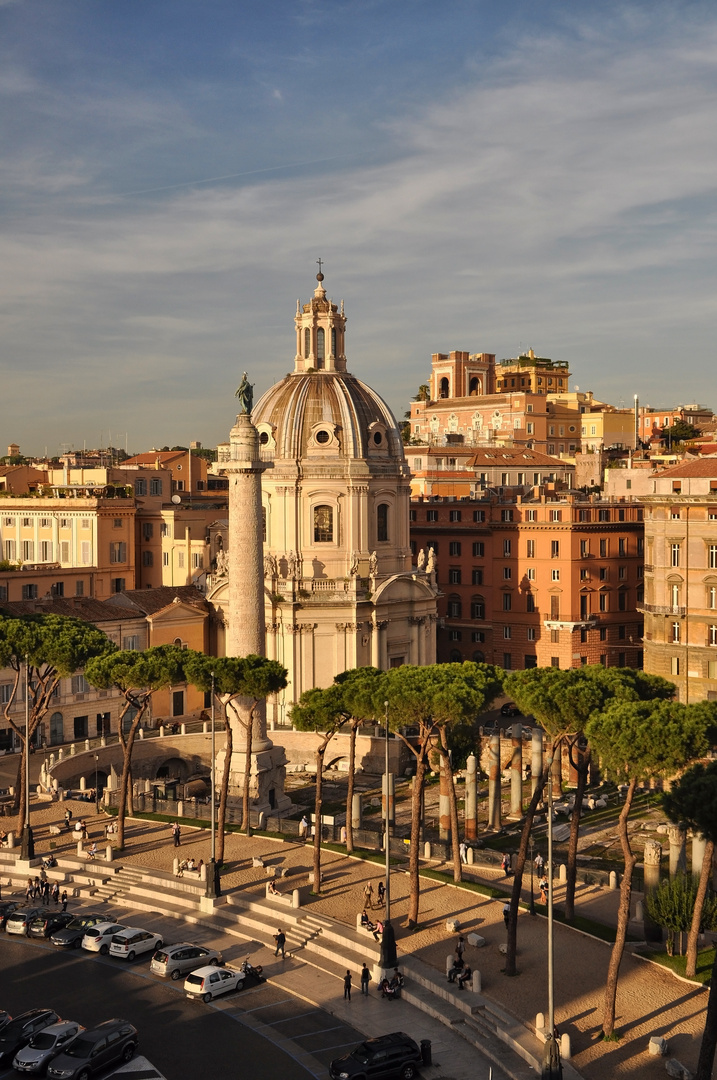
133, 941
97, 938
208, 982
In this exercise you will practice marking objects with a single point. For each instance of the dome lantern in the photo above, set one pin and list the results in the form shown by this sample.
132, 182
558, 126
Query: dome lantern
320, 330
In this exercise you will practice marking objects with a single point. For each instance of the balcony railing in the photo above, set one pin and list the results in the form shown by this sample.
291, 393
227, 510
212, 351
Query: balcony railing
662, 609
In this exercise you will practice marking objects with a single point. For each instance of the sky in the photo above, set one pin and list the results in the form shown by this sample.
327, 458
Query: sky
475, 175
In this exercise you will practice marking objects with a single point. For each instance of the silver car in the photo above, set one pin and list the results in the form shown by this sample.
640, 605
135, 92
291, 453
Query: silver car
45, 1045
176, 960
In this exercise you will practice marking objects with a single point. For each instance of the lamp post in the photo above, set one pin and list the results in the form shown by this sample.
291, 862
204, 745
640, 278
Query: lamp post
27, 850
97, 789
552, 1068
531, 909
388, 958
211, 889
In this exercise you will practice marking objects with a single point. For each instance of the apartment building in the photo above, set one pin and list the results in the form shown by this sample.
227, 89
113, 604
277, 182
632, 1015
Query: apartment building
532, 581
470, 472
680, 600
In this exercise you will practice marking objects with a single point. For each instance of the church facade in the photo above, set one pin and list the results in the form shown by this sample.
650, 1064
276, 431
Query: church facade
340, 590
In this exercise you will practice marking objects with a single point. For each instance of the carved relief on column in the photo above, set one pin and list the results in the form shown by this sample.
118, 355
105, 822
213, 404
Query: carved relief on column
307, 627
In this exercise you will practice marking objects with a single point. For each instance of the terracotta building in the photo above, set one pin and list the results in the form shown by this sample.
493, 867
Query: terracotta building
536, 581
680, 604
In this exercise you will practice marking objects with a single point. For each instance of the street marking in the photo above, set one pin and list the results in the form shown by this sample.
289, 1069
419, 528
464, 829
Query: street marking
298, 1016
308, 1034
269, 1006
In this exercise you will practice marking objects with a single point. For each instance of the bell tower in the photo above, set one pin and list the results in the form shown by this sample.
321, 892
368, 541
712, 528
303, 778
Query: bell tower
320, 331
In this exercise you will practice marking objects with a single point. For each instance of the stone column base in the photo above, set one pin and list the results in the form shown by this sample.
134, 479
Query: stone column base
267, 770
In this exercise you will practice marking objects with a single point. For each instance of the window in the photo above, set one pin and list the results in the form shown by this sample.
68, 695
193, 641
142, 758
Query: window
479, 515
554, 607
555, 637
622, 600
81, 727
131, 642
621, 573
531, 573
382, 521
584, 549
603, 573
29, 592
554, 549
584, 515
80, 685
603, 515
530, 549
622, 547
530, 515
455, 635
164, 530
431, 515
604, 549
675, 665
79, 588
118, 551
507, 573
555, 661
412, 515
603, 633
86, 552
478, 549
604, 601
676, 631
27, 522
507, 661
712, 556
320, 347
476, 576
454, 548
712, 597
307, 343
140, 487
323, 525
477, 635
147, 530
506, 515
454, 515
584, 606
584, 574
530, 427
118, 584
556, 515
455, 607
197, 560
454, 576
531, 633
506, 549
165, 558
674, 554
712, 635
118, 523
530, 602
675, 591
147, 558
10, 550
180, 560
507, 601
477, 608
432, 545
58, 589
555, 575
28, 551
507, 633
155, 486
675, 513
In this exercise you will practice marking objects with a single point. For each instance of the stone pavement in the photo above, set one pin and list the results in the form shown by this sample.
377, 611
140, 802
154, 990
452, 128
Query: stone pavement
650, 999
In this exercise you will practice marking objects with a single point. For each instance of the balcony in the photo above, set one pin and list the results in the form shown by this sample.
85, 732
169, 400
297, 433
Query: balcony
661, 609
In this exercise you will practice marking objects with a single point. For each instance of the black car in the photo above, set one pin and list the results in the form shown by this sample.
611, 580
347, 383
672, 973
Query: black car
94, 1050
19, 1031
395, 1055
510, 709
48, 923
5, 1018
6, 908
71, 935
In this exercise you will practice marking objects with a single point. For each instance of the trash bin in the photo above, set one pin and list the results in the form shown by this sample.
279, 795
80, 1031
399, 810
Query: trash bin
426, 1051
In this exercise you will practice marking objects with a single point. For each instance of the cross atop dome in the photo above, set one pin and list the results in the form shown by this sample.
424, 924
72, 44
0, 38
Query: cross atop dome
320, 330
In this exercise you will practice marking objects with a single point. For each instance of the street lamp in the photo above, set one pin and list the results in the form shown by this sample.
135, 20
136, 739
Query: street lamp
388, 958
211, 889
552, 1068
97, 789
531, 909
27, 850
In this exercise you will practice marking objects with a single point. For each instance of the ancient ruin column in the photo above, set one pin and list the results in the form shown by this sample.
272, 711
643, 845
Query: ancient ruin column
678, 855
516, 772
556, 774
494, 807
356, 811
470, 812
444, 803
698, 853
651, 862
536, 763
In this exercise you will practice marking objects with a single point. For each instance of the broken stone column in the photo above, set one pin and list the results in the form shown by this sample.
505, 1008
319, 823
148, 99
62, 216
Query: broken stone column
470, 812
536, 764
356, 811
516, 772
444, 803
494, 808
698, 853
678, 849
651, 861
556, 773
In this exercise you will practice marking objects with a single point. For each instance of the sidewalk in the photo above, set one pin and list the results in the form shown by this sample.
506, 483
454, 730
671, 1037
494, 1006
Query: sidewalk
650, 1001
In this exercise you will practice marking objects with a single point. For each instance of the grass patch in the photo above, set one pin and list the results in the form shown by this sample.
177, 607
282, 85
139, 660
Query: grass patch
470, 886
676, 964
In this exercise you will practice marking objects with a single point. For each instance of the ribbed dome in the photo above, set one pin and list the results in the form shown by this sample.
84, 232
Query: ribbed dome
330, 412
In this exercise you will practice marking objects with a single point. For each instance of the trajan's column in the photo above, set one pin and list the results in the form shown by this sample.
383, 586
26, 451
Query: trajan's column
245, 630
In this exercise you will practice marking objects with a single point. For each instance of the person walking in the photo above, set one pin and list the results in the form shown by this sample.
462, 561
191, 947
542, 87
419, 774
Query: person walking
506, 914
64, 899
368, 895
56, 892
347, 986
460, 946
365, 979
463, 851
68, 818
539, 863
280, 939
381, 892
303, 828
177, 834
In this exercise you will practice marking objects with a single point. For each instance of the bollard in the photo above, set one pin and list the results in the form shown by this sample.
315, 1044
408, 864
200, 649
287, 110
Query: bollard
180, 808
565, 1051
476, 982
261, 824
205, 728
295, 898
10, 840
449, 963
356, 811
427, 850
639, 911
60, 753
175, 866
539, 1022
109, 853
141, 733
103, 740
613, 879
203, 872
87, 744
183, 729
80, 852
72, 749
470, 855
161, 731
562, 872
83, 784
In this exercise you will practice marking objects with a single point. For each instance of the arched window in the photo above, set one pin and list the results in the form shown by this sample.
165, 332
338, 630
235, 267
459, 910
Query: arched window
320, 347
323, 525
443, 387
307, 343
333, 341
56, 729
474, 386
455, 657
382, 521
478, 657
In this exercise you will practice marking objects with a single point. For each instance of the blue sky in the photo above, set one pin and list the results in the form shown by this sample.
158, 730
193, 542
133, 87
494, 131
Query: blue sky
475, 175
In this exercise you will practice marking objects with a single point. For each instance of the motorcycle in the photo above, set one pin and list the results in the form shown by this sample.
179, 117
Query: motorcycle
253, 971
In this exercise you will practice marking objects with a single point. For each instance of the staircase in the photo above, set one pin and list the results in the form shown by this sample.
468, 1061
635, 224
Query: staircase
116, 888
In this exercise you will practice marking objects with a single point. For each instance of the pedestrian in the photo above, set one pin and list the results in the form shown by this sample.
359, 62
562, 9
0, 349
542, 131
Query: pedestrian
177, 834
64, 899
303, 828
56, 892
543, 886
280, 939
368, 895
505, 863
463, 851
381, 893
506, 914
365, 979
347, 986
68, 818
539, 864
46, 892
464, 976
461, 945
29, 891
37, 888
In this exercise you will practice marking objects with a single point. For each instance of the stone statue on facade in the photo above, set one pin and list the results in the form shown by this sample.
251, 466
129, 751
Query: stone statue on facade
245, 394
432, 564
373, 564
292, 562
222, 562
354, 567
421, 561
270, 567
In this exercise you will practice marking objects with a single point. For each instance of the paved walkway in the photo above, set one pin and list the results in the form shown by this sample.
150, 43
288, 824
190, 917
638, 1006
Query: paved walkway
650, 999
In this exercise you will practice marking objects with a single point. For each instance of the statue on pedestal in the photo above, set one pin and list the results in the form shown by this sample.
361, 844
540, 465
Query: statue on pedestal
245, 394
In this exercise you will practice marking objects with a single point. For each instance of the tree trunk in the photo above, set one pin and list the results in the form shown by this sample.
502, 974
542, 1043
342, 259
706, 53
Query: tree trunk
350, 790
510, 965
248, 733
317, 815
453, 802
126, 772
709, 1035
224, 789
623, 917
694, 933
581, 766
414, 854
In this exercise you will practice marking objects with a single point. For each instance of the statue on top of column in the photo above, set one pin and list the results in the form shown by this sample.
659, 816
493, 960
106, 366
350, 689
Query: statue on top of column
245, 394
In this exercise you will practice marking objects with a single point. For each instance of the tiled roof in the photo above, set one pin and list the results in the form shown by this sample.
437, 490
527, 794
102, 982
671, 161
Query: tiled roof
149, 601
501, 456
163, 456
705, 466
81, 607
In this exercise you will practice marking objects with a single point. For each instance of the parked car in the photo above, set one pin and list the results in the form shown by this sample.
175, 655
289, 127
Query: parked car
491, 727
5, 1018
133, 941
71, 936
6, 908
20, 1030
93, 1050
19, 921
510, 709
46, 1045
176, 960
47, 924
209, 982
395, 1055
97, 938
